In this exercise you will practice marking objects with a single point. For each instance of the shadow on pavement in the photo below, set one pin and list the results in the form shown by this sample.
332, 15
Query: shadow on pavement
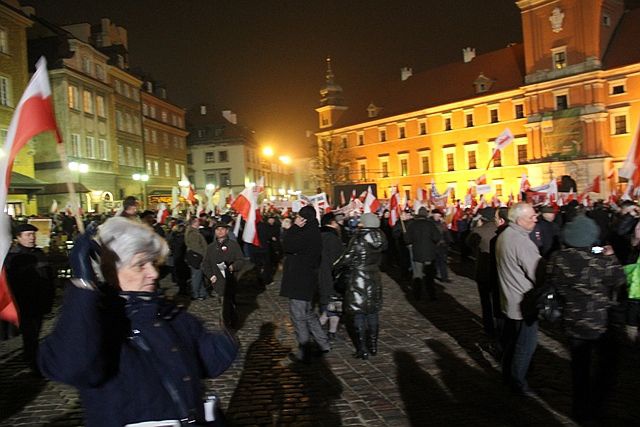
18, 386
273, 392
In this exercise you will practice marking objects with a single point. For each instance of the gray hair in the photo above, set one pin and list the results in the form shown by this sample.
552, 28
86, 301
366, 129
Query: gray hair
126, 238
517, 210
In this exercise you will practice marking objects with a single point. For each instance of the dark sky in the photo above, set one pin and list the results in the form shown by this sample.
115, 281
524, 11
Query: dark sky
265, 59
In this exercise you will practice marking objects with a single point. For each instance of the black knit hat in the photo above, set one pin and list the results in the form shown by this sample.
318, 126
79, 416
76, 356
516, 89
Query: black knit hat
582, 232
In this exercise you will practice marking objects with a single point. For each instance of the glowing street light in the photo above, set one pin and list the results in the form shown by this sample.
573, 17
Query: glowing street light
210, 187
285, 159
78, 167
140, 177
267, 151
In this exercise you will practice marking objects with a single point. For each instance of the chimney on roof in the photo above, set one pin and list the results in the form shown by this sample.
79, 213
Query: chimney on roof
468, 54
230, 116
405, 73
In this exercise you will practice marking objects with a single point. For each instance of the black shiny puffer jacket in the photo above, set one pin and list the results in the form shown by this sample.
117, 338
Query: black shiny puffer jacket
361, 260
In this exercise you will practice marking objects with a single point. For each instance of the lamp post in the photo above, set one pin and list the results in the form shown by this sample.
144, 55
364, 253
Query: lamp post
79, 169
142, 178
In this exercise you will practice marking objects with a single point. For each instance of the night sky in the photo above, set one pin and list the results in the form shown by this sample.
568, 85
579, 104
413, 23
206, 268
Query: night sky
265, 60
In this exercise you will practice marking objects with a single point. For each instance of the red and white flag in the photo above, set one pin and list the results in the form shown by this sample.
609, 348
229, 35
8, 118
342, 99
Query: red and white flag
343, 201
502, 140
33, 115
524, 184
353, 194
246, 204
371, 203
394, 207
631, 167
163, 213
481, 180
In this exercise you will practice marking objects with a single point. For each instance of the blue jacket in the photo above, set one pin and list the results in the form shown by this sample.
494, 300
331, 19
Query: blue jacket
92, 348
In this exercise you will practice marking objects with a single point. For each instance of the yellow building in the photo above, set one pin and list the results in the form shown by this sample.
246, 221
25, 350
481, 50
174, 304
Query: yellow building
14, 76
570, 93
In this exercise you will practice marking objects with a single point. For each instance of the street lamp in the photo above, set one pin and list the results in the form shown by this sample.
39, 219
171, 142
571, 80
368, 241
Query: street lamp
142, 178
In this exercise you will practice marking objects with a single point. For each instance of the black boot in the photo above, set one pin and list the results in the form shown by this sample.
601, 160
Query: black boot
373, 340
417, 288
361, 349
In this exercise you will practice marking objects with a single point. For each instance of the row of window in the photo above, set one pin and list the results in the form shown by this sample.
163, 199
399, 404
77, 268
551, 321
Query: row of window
91, 149
219, 178
127, 90
210, 156
425, 162
4, 41
149, 110
151, 136
89, 104
128, 122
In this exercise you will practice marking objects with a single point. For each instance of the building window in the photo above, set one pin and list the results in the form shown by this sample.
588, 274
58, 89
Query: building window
86, 65
5, 92
617, 90
152, 111
498, 190
209, 157
121, 159
617, 87
164, 116
131, 160
519, 111
100, 72
146, 134
385, 169
100, 106
522, 153
562, 102
471, 159
424, 161
447, 123
127, 90
4, 41
149, 167
156, 168
91, 147
469, 119
118, 85
167, 169
422, 128
87, 101
493, 115
402, 132
620, 124
138, 157
145, 109
73, 97
606, 19
344, 140
75, 145
177, 170
102, 149
224, 179
383, 135
559, 56
497, 159
128, 121
210, 178
450, 162
363, 172
119, 121
360, 139
154, 136
404, 167
223, 156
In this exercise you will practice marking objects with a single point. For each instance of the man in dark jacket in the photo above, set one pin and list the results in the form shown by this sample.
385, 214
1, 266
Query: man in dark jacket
423, 235
332, 248
546, 234
31, 281
302, 247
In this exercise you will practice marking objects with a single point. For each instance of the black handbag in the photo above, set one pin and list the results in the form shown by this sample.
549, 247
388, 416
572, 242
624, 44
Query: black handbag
341, 280
194, 259
543, 303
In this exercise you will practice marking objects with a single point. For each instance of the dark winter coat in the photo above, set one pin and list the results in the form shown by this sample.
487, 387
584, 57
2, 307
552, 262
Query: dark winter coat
362, 259
227, 251
332, 248
423, 235
31, 280
95, 347
479, 241
302, 248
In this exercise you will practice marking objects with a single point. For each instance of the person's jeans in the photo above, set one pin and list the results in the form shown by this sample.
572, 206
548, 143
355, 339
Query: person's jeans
521, 341
306, 324
197, 283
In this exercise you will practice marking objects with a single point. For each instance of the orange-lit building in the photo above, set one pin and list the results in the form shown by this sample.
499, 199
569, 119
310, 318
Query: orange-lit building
570, 93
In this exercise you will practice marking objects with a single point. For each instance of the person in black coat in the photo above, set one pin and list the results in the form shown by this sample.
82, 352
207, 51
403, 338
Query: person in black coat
363, 296
423, 235
31, 281
302, 247
332, 248
134, 356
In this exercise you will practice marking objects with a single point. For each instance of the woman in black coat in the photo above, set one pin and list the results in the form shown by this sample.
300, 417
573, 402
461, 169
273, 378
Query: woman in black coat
332, 248
133, 356
363, 295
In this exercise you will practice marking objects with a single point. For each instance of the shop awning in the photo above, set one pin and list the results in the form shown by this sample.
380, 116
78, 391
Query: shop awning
61, 188
22, 184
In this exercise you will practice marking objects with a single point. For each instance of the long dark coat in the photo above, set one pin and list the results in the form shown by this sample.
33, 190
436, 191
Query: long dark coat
95, 348
332, 248
31, 281
362, 259
302, 248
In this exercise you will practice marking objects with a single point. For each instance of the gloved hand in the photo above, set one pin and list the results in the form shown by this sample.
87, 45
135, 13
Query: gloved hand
85, 248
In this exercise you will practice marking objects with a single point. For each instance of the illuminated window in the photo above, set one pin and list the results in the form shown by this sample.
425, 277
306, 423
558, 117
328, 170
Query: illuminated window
75, 145
471, 159
519, 111
498, 188
620, 123
425, 164
385, 169
73, 97
404, 167
5, 92
562, 102
559, 56
87, 98
497, 159
209, 157
4, 41
156, 168
522, 153
450, 162
102, 149
100, 106
167, 169
91, 147
363, 172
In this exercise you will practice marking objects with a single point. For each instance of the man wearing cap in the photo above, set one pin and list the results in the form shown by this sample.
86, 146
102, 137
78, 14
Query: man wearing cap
31, 280
423, 235
517, 260
130, 207
479, 241
546, 234
588, 280
222, 260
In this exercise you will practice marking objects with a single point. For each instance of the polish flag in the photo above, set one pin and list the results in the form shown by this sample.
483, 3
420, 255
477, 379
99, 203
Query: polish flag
502, 141
394, 207
524, 184
33, 115
246, 204
343, 201
481, 180
163, 213
353, 194
630, 168
422, 194
371, 203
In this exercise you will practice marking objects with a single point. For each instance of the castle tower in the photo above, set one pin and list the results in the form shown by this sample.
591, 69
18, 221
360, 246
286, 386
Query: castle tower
331, 101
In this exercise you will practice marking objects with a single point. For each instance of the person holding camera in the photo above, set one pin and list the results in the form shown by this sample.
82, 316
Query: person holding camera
588, 279
135, 357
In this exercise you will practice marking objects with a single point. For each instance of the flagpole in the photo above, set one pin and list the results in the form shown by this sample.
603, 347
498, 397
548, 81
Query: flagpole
70, 187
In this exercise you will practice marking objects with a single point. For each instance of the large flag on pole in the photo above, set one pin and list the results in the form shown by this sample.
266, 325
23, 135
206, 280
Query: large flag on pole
246, 204
394, 207
33, 115
371, 203
502, 140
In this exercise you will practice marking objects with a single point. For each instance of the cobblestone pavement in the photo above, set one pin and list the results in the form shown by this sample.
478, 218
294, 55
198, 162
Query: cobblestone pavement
433, 368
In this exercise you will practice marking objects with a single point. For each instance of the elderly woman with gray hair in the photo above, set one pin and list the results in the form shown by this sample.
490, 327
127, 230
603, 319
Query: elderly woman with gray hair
135, 358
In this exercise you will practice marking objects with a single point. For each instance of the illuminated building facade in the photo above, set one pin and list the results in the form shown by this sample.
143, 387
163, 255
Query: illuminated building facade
570, 94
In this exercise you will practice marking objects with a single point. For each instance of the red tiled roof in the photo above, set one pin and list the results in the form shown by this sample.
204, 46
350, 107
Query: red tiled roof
442, 85
624, 48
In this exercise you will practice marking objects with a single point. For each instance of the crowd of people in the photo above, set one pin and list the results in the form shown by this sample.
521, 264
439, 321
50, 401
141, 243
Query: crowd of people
331, 275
